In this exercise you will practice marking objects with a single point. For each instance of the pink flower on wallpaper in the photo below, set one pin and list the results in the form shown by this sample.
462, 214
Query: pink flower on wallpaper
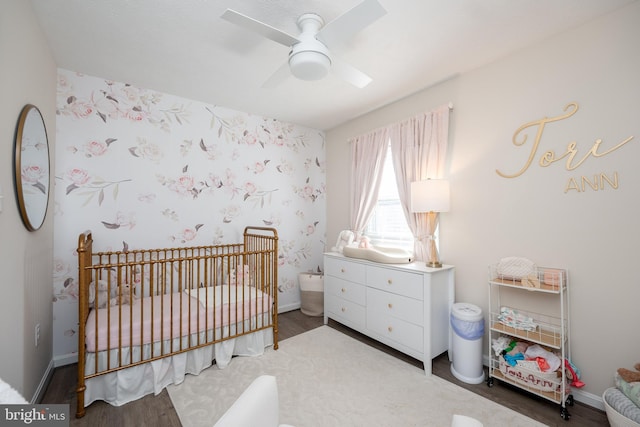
135, 114
80, 109
226, 183
211, 150
63, 83
152, 152
230, 212
70, 290
97, 148
78, 177
121, 220
61, 269
130, 94
184, 186
311, 163
248, 138
68, 102
105, 105
286, 167
250, 189
188, 234
147, 150
308, 191
311, 228
258, 167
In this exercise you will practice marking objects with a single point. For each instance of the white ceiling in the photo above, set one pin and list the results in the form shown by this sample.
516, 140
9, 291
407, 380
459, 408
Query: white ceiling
182, 47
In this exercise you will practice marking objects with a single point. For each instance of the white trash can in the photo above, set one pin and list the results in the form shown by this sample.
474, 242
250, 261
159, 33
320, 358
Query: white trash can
467, 328
311, 293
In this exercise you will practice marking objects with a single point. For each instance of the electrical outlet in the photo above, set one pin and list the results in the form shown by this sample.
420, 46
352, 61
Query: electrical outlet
37, 334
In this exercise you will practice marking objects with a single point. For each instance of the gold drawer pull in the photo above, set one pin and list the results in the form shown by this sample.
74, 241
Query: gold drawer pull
344, 290
390, 305
344, 309
342, 270
389, 328
389, 281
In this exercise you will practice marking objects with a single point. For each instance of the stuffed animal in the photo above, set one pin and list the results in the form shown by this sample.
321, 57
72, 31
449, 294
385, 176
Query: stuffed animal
364, 243
629, 375
99, 290
345, 238
245, 281
122, 295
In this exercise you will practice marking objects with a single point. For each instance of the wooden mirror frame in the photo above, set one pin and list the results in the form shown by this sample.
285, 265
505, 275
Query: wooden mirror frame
31, 167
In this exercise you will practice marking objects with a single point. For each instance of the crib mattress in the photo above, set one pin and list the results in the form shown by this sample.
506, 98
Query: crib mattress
169, 316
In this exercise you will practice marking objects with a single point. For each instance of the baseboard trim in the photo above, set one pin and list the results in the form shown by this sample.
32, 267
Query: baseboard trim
65, 359
44, 383
589, 399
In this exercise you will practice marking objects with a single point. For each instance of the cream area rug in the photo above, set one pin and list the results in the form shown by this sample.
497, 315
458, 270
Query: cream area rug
326, 378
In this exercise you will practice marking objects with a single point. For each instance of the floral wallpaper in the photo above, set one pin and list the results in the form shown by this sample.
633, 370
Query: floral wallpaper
144, 169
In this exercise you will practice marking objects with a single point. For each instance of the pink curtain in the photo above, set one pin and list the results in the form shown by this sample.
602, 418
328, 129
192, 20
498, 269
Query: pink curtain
419, 148
368, 153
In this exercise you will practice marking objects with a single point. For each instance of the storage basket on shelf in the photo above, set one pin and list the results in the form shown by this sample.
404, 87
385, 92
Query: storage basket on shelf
543, 381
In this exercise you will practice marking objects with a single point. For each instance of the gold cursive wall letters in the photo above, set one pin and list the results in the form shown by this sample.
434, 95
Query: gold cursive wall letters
570, 155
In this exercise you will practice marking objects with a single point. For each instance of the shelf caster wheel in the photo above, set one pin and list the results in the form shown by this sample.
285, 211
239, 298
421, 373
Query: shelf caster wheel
570, 400
565, 414
490, 382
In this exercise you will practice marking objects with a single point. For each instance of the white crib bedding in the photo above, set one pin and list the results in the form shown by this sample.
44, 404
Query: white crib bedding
233, 310
126, 385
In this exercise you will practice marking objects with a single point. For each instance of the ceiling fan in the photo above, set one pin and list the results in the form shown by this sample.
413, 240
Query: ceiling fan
310, 58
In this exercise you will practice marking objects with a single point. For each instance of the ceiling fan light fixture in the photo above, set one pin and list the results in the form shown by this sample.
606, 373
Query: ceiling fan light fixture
309, 65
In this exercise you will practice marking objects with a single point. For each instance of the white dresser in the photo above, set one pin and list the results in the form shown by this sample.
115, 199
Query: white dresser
405, 306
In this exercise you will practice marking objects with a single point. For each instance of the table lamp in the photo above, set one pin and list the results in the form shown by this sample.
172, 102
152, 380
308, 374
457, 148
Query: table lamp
431, 196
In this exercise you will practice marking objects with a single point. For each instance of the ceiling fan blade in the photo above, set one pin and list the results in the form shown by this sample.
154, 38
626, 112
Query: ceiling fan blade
279, 76
261, 28
351, 22
349, 74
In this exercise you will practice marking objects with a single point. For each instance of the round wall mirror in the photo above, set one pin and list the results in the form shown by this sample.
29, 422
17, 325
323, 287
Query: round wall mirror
31, 167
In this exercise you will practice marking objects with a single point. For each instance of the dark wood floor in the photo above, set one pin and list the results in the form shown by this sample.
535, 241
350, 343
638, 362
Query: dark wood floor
158, 411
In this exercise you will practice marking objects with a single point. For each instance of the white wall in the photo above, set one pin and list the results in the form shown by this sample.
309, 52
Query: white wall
592, 232
27, 75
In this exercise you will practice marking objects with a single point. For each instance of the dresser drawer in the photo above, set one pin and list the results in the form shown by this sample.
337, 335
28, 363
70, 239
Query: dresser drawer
403, 308
350, 291
346, 270
343, 310
398, 282
397, 330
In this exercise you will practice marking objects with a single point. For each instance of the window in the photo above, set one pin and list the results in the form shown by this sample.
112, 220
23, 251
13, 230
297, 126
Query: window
387, 226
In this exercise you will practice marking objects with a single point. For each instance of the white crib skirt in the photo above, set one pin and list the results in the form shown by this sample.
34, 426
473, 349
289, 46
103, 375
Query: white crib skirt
127, 385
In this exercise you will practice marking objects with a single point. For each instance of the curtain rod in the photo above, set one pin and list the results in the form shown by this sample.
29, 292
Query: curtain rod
450, 105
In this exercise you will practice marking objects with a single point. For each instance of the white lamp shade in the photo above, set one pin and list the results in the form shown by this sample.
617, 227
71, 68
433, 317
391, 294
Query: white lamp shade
430, 195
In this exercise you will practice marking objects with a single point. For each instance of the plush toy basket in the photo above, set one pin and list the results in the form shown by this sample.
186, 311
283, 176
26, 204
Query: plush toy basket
542, 381
616, 419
